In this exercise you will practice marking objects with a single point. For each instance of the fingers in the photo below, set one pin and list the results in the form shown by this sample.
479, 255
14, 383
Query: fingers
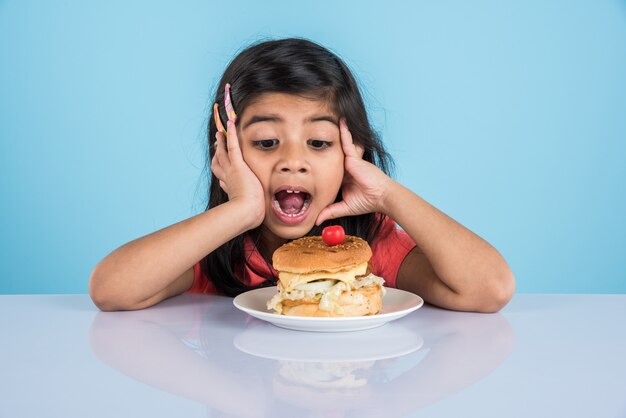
220, 162
218, 121
228, 104
220, 150
323, 216
360, 150
217, 169
336, 210
227, 153
227, 149
223, 186
232, 143
219, 173
347, 143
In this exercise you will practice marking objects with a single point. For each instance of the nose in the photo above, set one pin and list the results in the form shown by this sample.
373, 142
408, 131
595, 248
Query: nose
293, 160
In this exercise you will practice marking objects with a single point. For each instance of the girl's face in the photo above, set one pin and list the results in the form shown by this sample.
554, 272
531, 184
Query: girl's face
292, 144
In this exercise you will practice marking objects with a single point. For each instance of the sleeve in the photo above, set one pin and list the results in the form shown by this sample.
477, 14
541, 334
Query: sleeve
389, 249
201, 283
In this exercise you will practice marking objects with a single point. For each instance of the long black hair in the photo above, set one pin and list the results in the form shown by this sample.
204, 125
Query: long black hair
300, 67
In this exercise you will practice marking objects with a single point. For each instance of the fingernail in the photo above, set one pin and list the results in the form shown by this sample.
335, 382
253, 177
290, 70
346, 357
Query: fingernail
228, 103
216, 116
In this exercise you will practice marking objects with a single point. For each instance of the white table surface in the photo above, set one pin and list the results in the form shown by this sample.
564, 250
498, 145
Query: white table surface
198, 356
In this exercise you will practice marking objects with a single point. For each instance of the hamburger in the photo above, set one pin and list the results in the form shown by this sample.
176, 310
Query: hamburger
324, 386
322, 280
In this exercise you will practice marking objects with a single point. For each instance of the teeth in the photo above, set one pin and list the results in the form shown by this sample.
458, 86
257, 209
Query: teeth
306, 205
292, 191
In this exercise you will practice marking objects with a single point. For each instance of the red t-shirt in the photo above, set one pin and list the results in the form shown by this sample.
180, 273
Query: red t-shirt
389, 249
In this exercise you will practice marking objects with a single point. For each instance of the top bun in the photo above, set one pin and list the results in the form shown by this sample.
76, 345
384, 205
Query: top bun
310, 254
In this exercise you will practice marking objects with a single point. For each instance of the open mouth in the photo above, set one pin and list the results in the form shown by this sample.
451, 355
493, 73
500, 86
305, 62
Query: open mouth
291, 203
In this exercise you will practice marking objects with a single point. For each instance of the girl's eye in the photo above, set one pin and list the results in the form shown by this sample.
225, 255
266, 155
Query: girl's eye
264, 144
319, 144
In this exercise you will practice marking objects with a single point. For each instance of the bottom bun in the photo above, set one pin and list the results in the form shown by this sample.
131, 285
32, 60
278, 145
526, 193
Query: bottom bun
366, 300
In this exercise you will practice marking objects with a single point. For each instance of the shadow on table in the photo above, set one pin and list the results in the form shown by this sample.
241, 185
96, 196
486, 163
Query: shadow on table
208, 352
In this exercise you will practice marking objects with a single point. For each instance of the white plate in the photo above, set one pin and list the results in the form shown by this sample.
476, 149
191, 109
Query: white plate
396, 304
391, 341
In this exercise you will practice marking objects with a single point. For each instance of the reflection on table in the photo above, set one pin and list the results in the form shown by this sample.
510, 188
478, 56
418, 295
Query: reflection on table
202, 349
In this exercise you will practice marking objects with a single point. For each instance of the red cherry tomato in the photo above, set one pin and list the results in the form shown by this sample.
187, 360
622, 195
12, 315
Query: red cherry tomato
333, 235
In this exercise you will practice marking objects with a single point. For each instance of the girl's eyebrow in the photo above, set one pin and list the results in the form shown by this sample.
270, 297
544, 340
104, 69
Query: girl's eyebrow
275, 118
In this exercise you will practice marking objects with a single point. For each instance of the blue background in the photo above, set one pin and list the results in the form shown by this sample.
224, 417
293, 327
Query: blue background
508, 116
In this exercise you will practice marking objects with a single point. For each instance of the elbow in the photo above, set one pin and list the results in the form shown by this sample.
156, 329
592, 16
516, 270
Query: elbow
109, 292
99, 291
499, 292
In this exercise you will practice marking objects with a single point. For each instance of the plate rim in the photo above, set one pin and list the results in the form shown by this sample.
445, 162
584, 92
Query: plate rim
390, 352
419, 302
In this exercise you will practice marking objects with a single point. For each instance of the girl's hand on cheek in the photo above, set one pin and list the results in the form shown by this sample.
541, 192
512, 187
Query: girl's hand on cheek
235, 176
364, 185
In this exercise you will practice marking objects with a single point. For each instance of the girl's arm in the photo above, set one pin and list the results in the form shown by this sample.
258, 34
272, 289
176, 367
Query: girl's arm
451, 266
160, 265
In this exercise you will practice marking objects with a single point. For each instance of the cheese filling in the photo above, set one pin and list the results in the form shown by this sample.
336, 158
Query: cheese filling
326, 291
347, 275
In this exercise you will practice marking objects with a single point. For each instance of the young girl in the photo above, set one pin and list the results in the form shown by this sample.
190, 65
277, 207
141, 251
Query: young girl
298, 155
